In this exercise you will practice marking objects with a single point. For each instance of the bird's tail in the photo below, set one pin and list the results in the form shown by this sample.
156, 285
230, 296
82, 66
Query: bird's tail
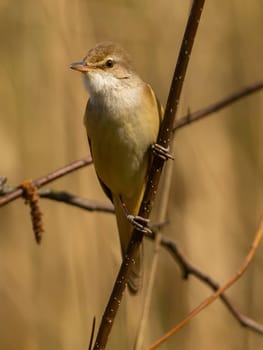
125, 228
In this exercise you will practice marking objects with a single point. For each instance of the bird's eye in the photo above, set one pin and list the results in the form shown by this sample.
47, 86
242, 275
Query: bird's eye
109, 63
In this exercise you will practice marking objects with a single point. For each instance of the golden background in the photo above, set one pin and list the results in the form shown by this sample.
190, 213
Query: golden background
50, 293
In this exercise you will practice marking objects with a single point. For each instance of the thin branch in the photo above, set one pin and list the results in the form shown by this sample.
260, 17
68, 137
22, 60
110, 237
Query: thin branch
189, 269
217, 293
154, 174
82, 203
17, 192
13, 193
215, 107
186, 267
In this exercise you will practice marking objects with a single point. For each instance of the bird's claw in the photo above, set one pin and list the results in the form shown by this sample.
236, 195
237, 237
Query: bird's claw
161, 152
139, 223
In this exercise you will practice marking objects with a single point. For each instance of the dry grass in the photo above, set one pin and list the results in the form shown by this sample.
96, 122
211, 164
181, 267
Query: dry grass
49, 294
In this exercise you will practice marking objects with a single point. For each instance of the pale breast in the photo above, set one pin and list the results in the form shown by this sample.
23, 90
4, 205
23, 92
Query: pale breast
120, 139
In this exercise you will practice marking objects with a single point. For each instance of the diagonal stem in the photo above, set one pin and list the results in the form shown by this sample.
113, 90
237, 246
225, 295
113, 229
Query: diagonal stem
154, 174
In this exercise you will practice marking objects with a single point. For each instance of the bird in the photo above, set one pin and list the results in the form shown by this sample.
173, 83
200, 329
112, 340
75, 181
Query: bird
122, 120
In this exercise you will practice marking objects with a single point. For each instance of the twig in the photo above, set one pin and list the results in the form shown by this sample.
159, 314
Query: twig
17, 192
215, 107
154, 174
189, 269
82, 203
218, 292
186, 267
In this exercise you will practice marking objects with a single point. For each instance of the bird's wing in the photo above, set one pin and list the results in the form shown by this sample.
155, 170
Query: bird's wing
106, 189
161, 115
159, 106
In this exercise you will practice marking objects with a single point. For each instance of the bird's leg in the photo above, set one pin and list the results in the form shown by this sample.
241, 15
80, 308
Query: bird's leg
161, 151
137, 221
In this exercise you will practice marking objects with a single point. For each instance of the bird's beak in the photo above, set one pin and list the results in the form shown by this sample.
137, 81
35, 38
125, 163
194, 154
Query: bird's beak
80, 66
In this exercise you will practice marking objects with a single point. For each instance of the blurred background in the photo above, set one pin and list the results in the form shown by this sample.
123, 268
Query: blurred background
50, 293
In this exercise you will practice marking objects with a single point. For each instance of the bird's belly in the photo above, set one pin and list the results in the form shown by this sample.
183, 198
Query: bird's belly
121, 158
120, 140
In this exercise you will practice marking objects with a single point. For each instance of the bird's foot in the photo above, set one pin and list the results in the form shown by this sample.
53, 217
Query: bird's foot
161, 152
139, 223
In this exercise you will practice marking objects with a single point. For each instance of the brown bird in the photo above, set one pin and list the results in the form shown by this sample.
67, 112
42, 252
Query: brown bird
122, 119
